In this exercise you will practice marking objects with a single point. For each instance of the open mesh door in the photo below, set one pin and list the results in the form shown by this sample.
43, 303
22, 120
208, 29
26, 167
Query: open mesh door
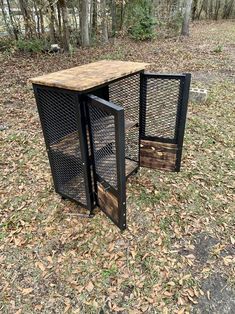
163, 109
62, 125
107, 135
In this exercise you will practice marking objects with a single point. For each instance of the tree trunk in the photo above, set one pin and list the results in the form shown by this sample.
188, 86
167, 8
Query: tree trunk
211, 9
38, 19
200, 10
228, 7
28, 19
5, 18
52, 22
94, 18
64, 13
84, 18
113, 15
59, 20
13, 25
194, 9
121, 16
185, 25
74, 18
217, 8
41, 21
104, 24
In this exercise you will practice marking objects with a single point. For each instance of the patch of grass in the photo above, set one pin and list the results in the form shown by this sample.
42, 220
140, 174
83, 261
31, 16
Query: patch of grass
107, 273
218, 49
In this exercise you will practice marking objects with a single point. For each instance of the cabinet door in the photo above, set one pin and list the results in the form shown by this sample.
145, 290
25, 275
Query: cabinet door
163, 109
62, 121
107, 137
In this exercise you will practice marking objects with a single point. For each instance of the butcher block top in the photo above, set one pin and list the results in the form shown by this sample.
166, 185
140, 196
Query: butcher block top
88, 76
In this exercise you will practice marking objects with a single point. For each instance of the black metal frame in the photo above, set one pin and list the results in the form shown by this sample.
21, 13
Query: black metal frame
100, 98
120, 192
83, 143
178, 139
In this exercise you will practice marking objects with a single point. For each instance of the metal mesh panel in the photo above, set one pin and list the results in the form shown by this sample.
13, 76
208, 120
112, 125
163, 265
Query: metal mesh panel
162, 99
103, 133
125, 93
59, 121
59, 114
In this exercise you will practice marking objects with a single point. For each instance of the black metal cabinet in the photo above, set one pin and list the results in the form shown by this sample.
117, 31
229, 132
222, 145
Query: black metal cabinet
95, 140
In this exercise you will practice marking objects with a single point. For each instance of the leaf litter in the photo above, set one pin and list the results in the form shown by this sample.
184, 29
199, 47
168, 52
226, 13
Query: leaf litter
53, 261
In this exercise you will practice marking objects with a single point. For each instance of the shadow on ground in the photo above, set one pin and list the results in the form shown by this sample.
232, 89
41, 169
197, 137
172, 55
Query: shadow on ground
219, 297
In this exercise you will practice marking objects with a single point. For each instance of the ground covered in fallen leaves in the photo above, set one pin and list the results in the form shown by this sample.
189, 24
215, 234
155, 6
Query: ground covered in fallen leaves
178, 254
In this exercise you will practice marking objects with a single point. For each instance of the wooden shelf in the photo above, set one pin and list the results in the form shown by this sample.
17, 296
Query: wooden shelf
130, 166
105, 163
74, 188
69, 144
130, 124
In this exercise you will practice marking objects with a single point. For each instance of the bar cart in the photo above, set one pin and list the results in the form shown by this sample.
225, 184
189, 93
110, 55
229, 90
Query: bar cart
102, 121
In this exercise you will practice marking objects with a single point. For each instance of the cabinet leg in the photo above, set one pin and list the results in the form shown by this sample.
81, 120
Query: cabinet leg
91, 214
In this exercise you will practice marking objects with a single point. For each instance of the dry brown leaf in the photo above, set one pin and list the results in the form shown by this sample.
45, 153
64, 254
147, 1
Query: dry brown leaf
68, 306
180, 301
190, 292
208, 293
90, 286
27, 291
190, 256
165, 310
192, 300
168, 294
50, 260
171, 283
40, 265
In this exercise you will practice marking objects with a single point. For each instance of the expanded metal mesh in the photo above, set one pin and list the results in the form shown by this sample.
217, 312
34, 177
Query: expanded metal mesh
125, 93
59, 121
103, 135
162, 101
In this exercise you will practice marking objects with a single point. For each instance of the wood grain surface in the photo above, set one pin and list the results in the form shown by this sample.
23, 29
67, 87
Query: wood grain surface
157, 155
108, 202
88, 76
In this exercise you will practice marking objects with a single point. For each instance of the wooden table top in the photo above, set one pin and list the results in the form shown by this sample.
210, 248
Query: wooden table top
88, 76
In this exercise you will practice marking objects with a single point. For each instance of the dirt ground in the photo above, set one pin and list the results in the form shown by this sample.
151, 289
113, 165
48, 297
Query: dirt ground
178, 253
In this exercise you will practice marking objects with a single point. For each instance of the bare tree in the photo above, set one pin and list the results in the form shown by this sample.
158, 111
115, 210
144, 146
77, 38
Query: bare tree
104, 24
187, 14
228, 8
14, 28
64, 13
51, 14
217, 8
200, 9
114, 17
94, 18
84, 23
194, 9
5, 18
30, 27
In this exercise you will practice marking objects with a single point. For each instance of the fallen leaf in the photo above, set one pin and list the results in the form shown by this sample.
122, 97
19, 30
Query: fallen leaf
27, 291
40, 266
90, 287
